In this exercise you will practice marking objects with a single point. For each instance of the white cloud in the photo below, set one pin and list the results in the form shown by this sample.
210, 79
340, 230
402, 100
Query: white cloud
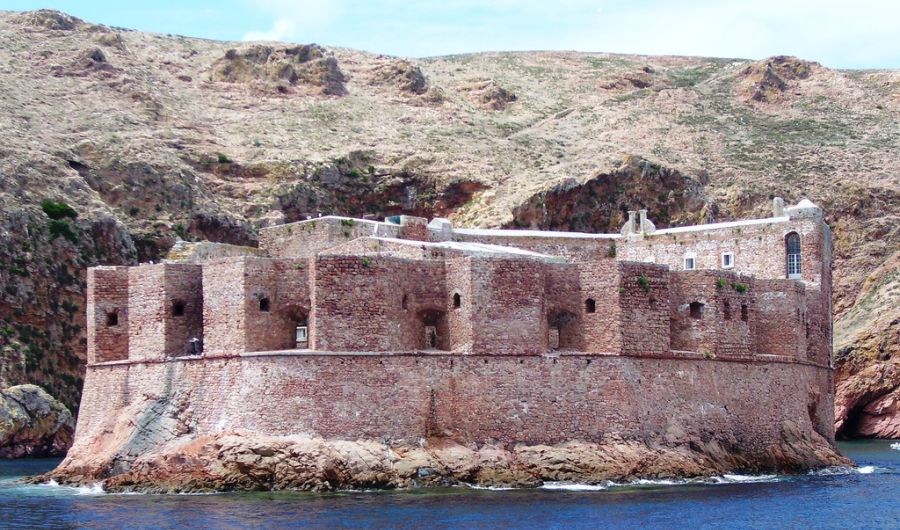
283, 29
293, 18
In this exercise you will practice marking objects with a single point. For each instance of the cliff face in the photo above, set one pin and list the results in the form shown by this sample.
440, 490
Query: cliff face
152, 138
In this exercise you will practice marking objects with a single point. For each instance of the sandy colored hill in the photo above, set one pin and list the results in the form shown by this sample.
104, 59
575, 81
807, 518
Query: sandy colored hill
150, 138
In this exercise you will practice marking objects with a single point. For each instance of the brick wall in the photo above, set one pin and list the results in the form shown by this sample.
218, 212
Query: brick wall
778, 319
644, 306
224, 323
475, 398
107, 314
306, 238
759, 249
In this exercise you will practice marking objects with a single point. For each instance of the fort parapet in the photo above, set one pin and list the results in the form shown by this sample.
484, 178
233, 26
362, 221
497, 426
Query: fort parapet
407, 330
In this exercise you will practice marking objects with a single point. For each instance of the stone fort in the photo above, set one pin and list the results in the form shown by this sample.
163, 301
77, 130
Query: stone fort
410, 330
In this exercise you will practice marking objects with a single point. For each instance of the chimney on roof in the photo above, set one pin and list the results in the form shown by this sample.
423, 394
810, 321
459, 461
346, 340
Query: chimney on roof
777, 207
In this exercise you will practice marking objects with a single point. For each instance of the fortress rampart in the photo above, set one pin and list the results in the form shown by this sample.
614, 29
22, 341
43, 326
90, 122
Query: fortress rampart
406, 331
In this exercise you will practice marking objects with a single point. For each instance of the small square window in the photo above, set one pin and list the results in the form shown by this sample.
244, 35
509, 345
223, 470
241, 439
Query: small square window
728, 260
690, 263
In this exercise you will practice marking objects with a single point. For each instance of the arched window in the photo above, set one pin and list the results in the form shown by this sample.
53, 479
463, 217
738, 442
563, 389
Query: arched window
792, 246
590, 306
457, 300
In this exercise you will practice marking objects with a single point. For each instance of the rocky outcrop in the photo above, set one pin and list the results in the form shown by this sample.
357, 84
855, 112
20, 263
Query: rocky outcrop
32, 423
767, 80
601, 202
308, 65
867, 351
490, 95
240, 460
405, 75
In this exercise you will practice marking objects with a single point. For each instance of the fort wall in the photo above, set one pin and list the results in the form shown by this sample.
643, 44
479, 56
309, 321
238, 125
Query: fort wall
473, 399
107, 314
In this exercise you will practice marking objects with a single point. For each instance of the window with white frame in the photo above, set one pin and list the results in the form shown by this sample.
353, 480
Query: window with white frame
728, 260
792, 247
690, 262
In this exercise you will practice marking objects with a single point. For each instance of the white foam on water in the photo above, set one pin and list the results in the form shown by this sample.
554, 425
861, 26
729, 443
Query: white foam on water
896, 446
846, 470
489, 488
569, 486
737, 479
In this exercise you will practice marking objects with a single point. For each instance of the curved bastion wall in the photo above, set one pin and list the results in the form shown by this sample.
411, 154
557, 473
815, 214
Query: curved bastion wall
475, 399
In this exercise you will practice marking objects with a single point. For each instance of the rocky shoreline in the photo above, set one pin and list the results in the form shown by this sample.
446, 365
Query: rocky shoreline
33, 423
248, 461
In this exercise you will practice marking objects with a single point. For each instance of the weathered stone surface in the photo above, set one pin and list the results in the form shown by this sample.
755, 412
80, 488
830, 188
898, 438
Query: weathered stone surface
32, 423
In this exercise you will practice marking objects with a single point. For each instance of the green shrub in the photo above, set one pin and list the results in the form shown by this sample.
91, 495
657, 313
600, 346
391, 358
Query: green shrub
708, 354
720, 283
181, 231
61, 227
739, 287
644, 283
58, 210
365, 262
222, 158
611, 252
347, 222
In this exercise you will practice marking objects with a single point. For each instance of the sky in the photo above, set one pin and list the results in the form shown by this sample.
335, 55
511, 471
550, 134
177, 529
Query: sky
838, 34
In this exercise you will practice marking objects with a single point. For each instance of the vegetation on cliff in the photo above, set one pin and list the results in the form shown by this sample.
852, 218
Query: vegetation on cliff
154, 138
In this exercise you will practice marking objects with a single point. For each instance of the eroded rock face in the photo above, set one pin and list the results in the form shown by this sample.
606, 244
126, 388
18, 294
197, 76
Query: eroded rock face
407, 76
241, 460
33, 423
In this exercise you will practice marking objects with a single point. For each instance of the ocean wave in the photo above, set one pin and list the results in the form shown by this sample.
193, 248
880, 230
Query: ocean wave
647, 482
489, 488
846, 470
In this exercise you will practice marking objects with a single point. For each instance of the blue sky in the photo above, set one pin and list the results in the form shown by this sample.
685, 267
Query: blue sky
839, 34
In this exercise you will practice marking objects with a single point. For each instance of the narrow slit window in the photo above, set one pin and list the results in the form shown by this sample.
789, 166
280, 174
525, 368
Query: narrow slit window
264, 305
404, 303
745, 312
178, 308
590, 306
112, 318
457, 300
726, 310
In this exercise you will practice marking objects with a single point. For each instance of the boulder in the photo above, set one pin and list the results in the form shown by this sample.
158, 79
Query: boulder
33, 423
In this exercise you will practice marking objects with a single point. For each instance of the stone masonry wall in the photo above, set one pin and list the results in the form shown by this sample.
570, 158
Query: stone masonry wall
721, 327
359, 302
473, 399
779, 318
644, 305
107, 314
307, 238
224, 315
759, 249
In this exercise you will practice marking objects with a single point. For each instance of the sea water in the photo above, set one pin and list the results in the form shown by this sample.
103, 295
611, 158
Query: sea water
867, 496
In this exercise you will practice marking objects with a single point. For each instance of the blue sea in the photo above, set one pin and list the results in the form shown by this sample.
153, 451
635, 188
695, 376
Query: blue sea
864, 497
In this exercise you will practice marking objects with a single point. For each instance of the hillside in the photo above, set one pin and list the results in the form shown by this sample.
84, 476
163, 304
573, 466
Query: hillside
151, 138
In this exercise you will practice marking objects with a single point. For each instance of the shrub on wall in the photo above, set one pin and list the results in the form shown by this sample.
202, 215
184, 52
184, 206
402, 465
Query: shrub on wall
644, 283
58, 210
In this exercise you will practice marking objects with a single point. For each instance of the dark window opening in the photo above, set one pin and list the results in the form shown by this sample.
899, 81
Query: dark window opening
178, 308
431, 337
652, 302
590, 306
553, 338
726, 308
405, 302
112, 318
794, 259
457, 300
696, 310
264, 304
745, 312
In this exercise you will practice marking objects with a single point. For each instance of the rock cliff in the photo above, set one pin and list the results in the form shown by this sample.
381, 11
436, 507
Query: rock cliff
32, 423
150, 139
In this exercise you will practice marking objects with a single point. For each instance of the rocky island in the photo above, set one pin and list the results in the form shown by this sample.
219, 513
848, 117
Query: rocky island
348, 353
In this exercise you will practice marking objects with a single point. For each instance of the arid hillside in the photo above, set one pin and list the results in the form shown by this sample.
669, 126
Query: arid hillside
115, 143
